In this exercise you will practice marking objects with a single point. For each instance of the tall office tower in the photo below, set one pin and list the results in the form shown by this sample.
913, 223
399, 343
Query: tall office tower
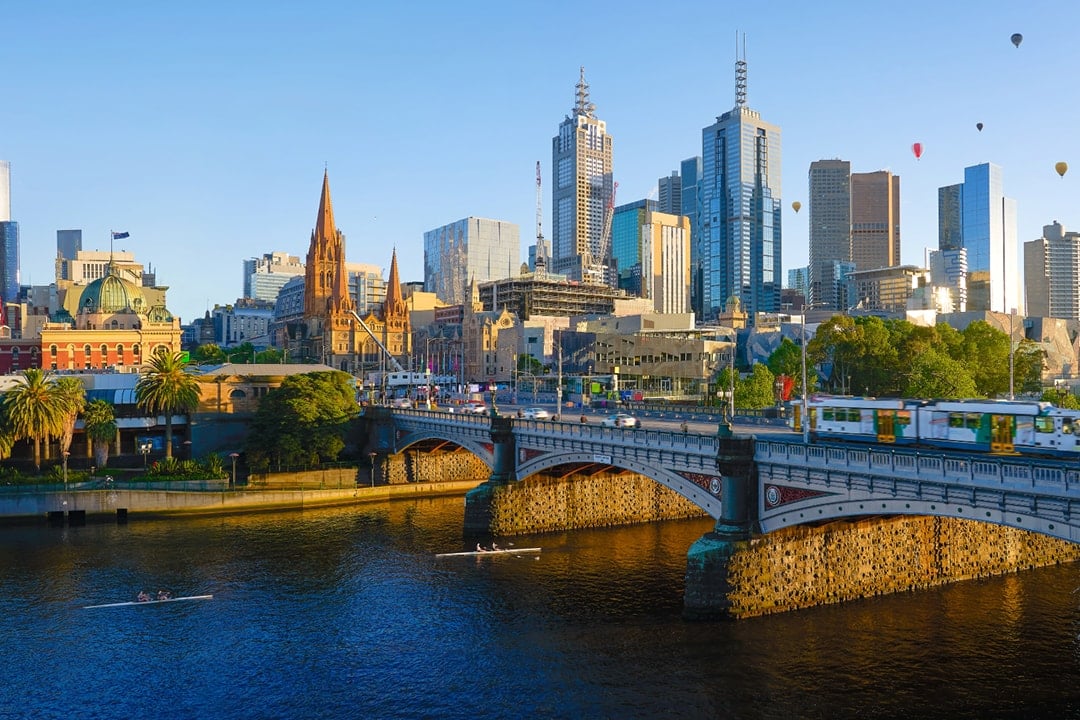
475, 248
830, 229
1052, 273
670, 194
68, 243
5, 191
740, 242
977, 216
690, 174
665, 261
626, 240
582, 187
265, 276
875, 220
9, 261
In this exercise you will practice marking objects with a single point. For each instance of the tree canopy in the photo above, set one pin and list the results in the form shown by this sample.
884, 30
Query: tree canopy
36, 409
304, 421
167, 387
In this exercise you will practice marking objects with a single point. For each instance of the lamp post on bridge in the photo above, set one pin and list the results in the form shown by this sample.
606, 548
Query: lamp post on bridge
232, 480
371, 457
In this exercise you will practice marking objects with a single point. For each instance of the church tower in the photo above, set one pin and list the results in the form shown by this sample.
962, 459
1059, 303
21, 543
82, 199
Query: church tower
328, 307
398, 330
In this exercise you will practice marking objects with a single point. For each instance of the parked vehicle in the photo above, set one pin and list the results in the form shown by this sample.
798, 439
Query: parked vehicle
621, 420
535, 413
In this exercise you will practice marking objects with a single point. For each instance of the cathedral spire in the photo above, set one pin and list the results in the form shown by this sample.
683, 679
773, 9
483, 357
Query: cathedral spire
395, 303
324, 223
326, 288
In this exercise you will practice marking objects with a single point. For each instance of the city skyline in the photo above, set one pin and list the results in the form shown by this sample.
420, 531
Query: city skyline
205, 140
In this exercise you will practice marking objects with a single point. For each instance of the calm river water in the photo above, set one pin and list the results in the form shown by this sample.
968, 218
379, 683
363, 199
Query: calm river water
344, 613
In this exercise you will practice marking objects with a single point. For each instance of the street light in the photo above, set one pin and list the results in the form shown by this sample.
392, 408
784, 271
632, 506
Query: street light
232, 481
371, 456
1012, 319
144, 450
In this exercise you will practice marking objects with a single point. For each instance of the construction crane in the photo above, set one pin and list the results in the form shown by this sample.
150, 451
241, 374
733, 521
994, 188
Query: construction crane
594, 267
541, 251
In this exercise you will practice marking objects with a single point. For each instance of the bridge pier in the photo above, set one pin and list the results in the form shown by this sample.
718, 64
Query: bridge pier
707, 562
478, 515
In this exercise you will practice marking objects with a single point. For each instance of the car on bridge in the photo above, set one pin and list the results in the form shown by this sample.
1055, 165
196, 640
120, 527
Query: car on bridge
401, 403
535, 413
621, 420
475, 407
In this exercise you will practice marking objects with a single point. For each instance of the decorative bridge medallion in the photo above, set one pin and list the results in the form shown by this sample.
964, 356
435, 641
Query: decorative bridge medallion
710, 483
490, 447
777, 495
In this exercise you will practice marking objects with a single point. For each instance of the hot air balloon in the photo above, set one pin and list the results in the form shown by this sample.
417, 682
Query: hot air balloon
1061, 168
917, 149
978, 126
796, 206
1017, 38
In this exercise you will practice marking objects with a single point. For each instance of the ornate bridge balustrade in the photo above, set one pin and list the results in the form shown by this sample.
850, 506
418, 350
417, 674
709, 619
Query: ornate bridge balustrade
802, 484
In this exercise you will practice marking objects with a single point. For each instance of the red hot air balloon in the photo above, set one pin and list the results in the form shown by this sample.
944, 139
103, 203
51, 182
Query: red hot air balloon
917, 149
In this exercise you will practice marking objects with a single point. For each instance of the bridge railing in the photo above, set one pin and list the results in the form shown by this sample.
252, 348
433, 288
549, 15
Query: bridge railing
1056, 476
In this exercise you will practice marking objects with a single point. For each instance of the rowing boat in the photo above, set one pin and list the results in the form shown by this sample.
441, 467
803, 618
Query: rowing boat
500, 551
150, 602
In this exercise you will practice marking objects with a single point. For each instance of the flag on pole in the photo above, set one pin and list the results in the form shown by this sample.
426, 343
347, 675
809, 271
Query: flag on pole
120, 235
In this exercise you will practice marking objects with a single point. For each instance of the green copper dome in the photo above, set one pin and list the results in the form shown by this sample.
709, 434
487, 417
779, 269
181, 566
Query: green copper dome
111, 294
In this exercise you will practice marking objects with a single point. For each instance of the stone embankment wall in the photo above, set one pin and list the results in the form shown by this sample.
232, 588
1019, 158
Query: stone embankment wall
412, 466
805, 567
544, 504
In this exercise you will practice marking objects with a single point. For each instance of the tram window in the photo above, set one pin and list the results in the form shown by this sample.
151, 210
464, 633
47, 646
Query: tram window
826, 413
903, 417
973, 420
1044, 424
956, 420
1067, 427
854, 415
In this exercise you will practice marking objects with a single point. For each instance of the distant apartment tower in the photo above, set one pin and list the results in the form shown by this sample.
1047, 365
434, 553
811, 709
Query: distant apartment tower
1052, 273
976, 215
948, 273
581, 189
875, 220
265, 276
367, 287
738, 250
473, 249
665, 262
5, 191
830, 230
798, 279
9, 239
669, 196
68, 244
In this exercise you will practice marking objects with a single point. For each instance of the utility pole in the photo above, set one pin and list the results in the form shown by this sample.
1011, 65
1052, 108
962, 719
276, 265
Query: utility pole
805, 402
558, 385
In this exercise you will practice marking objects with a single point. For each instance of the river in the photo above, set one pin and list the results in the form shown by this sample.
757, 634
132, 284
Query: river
345, 613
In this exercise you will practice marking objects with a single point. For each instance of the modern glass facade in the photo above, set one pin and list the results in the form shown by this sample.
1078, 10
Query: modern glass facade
626, 227
829, 209
739, 254
68, 244
690, 172
5, 191
9, 261
977, 216
473, 249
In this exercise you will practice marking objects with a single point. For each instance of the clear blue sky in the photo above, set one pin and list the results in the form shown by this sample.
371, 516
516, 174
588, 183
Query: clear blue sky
202, 128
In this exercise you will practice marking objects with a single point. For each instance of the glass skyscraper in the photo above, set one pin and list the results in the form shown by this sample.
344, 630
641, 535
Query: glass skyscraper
977, 216
829, 208
9, 261
739, 245
471, 249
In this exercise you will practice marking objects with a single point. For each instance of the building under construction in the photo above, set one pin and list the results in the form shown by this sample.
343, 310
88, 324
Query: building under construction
526, 296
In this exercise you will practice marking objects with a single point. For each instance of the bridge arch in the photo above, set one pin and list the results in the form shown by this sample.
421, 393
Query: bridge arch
483, 451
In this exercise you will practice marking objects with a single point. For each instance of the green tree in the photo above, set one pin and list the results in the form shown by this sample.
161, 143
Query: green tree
1028, 361
242, 354
34, 409
73, 397
1065, 400
757, 390
208, 354
304, 421
99, 420
936, 375
985, 355
269, 356
167, 387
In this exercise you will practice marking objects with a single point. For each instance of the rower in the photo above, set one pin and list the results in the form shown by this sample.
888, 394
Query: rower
479, 548
143, 596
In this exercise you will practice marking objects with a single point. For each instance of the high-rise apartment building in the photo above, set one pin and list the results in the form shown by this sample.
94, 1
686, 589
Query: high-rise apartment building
471, 249
669, 196
1052, 273
830, 230
948, 273
265, 276
582, 188
875, 220
665, 261
739, 248
9, 261
977, 216
68, 244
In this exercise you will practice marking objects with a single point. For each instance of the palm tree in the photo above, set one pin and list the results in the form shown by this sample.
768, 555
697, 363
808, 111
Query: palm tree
73, 395
35, 409
100, 423
166, 387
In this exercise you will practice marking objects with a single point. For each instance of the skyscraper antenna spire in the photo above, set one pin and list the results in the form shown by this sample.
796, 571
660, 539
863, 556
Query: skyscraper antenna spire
740, 72
582, 106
